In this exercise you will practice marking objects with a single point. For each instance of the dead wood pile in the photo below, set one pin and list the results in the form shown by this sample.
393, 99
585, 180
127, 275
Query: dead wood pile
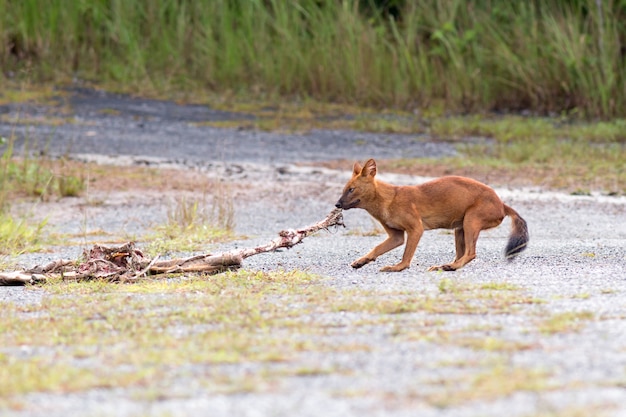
126, 263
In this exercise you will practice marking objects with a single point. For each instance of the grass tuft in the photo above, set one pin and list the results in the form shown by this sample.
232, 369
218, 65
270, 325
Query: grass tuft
570, 321
193, 224
19, 236
497, 382
27, 178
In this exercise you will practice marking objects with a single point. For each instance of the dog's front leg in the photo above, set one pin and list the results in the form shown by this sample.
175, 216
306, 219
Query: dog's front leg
395, 239
413, 238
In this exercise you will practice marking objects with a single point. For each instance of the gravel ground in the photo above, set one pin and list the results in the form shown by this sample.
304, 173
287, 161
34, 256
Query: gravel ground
576, 262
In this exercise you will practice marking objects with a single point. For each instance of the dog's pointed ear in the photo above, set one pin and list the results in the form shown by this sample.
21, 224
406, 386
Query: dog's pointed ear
369, 169
356, 169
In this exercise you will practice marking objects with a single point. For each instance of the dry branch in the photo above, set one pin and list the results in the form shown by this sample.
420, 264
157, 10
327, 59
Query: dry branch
127, 263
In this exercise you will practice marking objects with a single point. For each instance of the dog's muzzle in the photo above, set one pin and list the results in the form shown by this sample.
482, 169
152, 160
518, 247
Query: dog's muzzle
347, 206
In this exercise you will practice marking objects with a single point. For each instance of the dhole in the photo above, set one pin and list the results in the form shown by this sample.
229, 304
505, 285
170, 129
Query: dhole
458, 203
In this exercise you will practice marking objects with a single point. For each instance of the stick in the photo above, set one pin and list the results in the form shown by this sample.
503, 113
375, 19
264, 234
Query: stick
127, 263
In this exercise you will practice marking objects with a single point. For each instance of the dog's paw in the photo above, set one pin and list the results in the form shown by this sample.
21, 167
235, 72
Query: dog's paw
394, 268
359, 263
441, 268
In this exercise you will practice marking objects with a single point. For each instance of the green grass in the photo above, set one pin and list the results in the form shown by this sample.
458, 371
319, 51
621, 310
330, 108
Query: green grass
194, 224
24, 178
554, 152
570, 164
137, 332
497, 382
454, 297
145, 338
570, 321
550, 152
85, 335
19, 235
491, 344
36, 176
546, 56
516, 128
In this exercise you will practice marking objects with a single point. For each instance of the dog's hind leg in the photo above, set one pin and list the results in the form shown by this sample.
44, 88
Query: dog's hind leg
474, 222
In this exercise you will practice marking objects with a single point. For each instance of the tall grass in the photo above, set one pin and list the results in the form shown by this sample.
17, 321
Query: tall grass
541, 55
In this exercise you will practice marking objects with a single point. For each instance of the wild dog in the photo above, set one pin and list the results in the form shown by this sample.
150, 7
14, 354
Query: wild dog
452, 202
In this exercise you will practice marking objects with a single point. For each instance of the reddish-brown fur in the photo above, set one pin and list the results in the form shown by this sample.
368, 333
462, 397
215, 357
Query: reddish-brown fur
458, 203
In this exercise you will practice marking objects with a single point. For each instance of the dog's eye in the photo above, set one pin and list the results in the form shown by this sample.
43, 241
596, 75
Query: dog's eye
350, 190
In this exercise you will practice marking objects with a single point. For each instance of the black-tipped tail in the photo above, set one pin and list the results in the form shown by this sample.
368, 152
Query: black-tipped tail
518, 239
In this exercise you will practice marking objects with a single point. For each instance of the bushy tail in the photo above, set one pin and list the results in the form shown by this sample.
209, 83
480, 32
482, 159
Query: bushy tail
518, 239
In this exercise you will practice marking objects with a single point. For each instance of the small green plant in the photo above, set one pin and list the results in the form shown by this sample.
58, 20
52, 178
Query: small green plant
492, 344
449, 286
570, 321
193, 224
503, 380
70, 186
28, 176
68, 183
500, 286
18, 236
499, 381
